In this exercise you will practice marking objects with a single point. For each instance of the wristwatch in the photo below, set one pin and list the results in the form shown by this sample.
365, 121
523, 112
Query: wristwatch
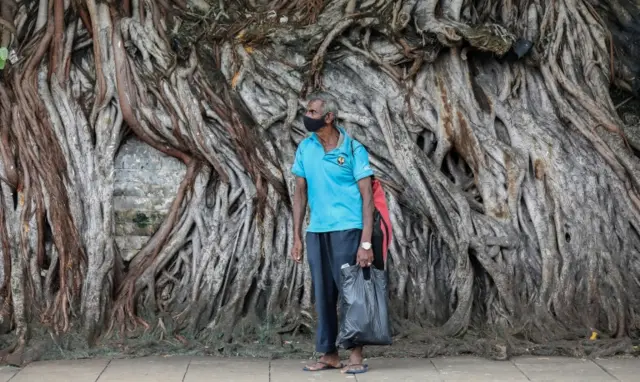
365, 245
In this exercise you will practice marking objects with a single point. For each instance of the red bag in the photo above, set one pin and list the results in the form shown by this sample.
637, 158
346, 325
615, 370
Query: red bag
382, 231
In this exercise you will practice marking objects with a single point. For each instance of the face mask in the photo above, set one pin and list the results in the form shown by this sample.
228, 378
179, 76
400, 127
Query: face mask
313, 125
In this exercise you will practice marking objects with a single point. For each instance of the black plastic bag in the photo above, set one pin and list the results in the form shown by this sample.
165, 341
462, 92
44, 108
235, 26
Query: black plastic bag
364, 315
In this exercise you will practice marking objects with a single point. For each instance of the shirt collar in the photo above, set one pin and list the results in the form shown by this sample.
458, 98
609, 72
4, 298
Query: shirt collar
343, 140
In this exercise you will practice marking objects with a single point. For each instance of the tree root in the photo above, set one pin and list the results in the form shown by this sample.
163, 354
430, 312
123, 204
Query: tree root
513, 192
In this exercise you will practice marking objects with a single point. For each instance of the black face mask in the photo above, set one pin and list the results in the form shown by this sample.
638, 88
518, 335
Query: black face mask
313, 125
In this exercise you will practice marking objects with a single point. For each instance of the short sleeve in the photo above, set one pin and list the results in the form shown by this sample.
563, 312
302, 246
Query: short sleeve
298, 167
361, 167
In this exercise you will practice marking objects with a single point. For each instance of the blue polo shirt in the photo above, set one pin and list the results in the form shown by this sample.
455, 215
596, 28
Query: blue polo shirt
332, 181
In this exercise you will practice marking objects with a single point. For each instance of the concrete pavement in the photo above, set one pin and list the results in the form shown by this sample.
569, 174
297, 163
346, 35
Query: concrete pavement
211, 369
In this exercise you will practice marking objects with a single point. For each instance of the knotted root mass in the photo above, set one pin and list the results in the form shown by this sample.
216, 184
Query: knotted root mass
513, 181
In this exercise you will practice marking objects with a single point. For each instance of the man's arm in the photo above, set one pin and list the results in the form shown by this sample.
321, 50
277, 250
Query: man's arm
299, 206
299, 194
363, 174
366, 191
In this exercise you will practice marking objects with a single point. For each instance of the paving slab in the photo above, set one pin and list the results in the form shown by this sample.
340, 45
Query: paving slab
147, 369
285, 370
624, 369
399, 370
561, 369
7, 372
476, 369
81, 370
219, 369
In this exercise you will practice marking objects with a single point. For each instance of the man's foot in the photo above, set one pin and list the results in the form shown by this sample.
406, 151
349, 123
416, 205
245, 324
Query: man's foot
355, 365
326, 362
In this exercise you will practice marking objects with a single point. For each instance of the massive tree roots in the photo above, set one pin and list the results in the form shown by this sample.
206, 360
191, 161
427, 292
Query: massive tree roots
513, 188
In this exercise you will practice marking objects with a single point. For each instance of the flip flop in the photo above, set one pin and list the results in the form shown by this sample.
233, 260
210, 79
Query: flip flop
364, 369
325, 367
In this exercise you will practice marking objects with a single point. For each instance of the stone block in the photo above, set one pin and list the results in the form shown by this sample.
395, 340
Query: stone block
622, 368
62, 371
561, 369
476, 369
217, 369
147, 369
146, 183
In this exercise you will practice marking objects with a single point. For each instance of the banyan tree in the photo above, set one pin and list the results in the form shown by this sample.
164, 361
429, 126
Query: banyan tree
503, 133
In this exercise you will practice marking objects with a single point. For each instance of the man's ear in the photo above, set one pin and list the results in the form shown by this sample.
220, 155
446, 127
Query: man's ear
330, 117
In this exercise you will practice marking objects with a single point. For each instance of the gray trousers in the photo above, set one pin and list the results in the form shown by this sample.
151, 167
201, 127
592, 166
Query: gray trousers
326, 253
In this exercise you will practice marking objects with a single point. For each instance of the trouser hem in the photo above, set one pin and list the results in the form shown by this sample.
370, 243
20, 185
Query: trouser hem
327, 349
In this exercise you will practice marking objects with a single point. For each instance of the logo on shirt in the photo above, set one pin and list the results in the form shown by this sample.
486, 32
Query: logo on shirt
340, 161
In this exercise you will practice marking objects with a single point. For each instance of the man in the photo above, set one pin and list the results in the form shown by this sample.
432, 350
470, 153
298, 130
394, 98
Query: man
333, 173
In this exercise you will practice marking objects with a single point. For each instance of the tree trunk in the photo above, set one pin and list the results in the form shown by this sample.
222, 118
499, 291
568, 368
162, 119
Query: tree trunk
513, 183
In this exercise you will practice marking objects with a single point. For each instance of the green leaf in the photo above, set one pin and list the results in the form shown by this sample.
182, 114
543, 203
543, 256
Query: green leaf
2, 64
4, 54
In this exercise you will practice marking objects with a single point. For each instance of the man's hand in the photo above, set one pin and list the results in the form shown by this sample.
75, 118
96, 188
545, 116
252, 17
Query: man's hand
296, 251
365, 257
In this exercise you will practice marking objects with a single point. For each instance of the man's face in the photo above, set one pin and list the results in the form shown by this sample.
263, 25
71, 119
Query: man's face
315, 111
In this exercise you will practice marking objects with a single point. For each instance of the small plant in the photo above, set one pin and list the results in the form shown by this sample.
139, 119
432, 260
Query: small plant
4, 55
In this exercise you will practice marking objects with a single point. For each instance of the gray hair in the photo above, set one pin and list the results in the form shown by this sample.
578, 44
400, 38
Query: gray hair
329, 103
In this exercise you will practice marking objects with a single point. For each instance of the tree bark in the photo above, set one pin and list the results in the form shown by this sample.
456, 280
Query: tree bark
513, 190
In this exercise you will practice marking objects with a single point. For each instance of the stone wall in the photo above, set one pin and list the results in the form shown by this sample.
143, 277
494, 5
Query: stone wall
145, 186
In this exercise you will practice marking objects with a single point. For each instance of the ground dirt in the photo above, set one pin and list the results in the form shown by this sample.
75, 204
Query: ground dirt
300, 346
